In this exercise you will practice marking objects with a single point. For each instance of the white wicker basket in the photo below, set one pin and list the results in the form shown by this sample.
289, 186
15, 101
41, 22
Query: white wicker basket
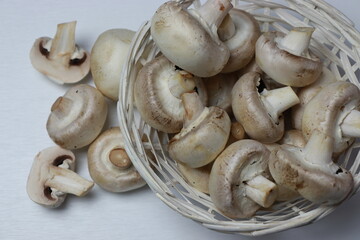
335, 40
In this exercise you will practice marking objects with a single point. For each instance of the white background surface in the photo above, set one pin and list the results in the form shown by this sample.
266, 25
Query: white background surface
25, 100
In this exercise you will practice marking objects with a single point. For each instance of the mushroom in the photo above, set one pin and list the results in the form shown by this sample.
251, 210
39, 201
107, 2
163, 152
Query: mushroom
109, 165
293, 137
241, 42
240, 182
307, 93
204, 135
287, 58
196, 177
60, 58
157, 91
250, 67
78, 117
218, 88
335, 112
189, 38
310, 170
260, 114
52, 176
107, 58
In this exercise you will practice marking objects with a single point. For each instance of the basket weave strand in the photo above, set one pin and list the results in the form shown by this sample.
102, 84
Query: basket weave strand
335, 40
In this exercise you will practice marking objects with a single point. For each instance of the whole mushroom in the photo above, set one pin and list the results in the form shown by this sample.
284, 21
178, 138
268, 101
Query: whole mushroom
189, 38
287, 58
60, 58
240, 182
204, 135
260, 113
78, 117
109, 165
52, 176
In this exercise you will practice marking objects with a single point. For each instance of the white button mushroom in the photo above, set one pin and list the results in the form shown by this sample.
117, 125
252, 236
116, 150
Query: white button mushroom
260, 114
77, 118
157, 92
196, 177
189, 38
107, 58
287, 58
240, 180
60, 58
109, 165
52, 176
335, 112
310, 170
204, 135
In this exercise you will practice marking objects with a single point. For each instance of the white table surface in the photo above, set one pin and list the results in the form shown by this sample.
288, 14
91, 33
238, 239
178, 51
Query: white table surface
25, 100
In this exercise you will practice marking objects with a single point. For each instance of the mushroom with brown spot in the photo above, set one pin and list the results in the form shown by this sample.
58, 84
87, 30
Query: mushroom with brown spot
287, 58
204, 135
52, 176
60, 58
261, 113
78, 117
240, 180
157, 92
109, 165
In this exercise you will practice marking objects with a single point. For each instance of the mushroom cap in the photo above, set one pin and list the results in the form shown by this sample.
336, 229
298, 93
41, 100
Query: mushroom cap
157, 105
307, 93
284, 67
242, 44
119, 177
185, 41
36, 187
237, 164
107, 58
322, 184
78, 117
196, 177
249, 110
201, 142
326, 111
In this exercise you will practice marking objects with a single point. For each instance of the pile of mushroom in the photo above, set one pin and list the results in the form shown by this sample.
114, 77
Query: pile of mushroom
253, 118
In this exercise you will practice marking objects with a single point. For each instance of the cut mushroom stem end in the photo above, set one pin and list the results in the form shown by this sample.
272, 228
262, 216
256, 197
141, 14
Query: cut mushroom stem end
350, 127
279, 100
66, 181
261, 190
213, 12
297, 41
180, 83
61, 107
119, 158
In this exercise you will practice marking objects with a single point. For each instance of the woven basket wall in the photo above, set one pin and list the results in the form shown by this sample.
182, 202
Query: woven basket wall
335, 40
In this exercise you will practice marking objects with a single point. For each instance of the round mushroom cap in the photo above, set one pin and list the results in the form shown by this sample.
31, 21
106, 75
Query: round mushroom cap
284, 67
60, 58
233, 168
327, 110
250, 111
325, 184
109, 165
200, 142
242, 44
157, 104
78, 117
107, 58
185, 41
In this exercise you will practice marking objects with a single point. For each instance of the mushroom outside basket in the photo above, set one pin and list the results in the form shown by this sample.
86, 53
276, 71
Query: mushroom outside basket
335, 41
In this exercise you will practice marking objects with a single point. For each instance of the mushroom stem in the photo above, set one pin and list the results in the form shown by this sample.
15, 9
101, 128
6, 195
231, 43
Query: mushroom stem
67, 181
297, 41
119, 158
279, 100
62, 107
350, 127
193, 107
261, 190
181, 82
319, 148
226, 29
213, 12
63, 44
